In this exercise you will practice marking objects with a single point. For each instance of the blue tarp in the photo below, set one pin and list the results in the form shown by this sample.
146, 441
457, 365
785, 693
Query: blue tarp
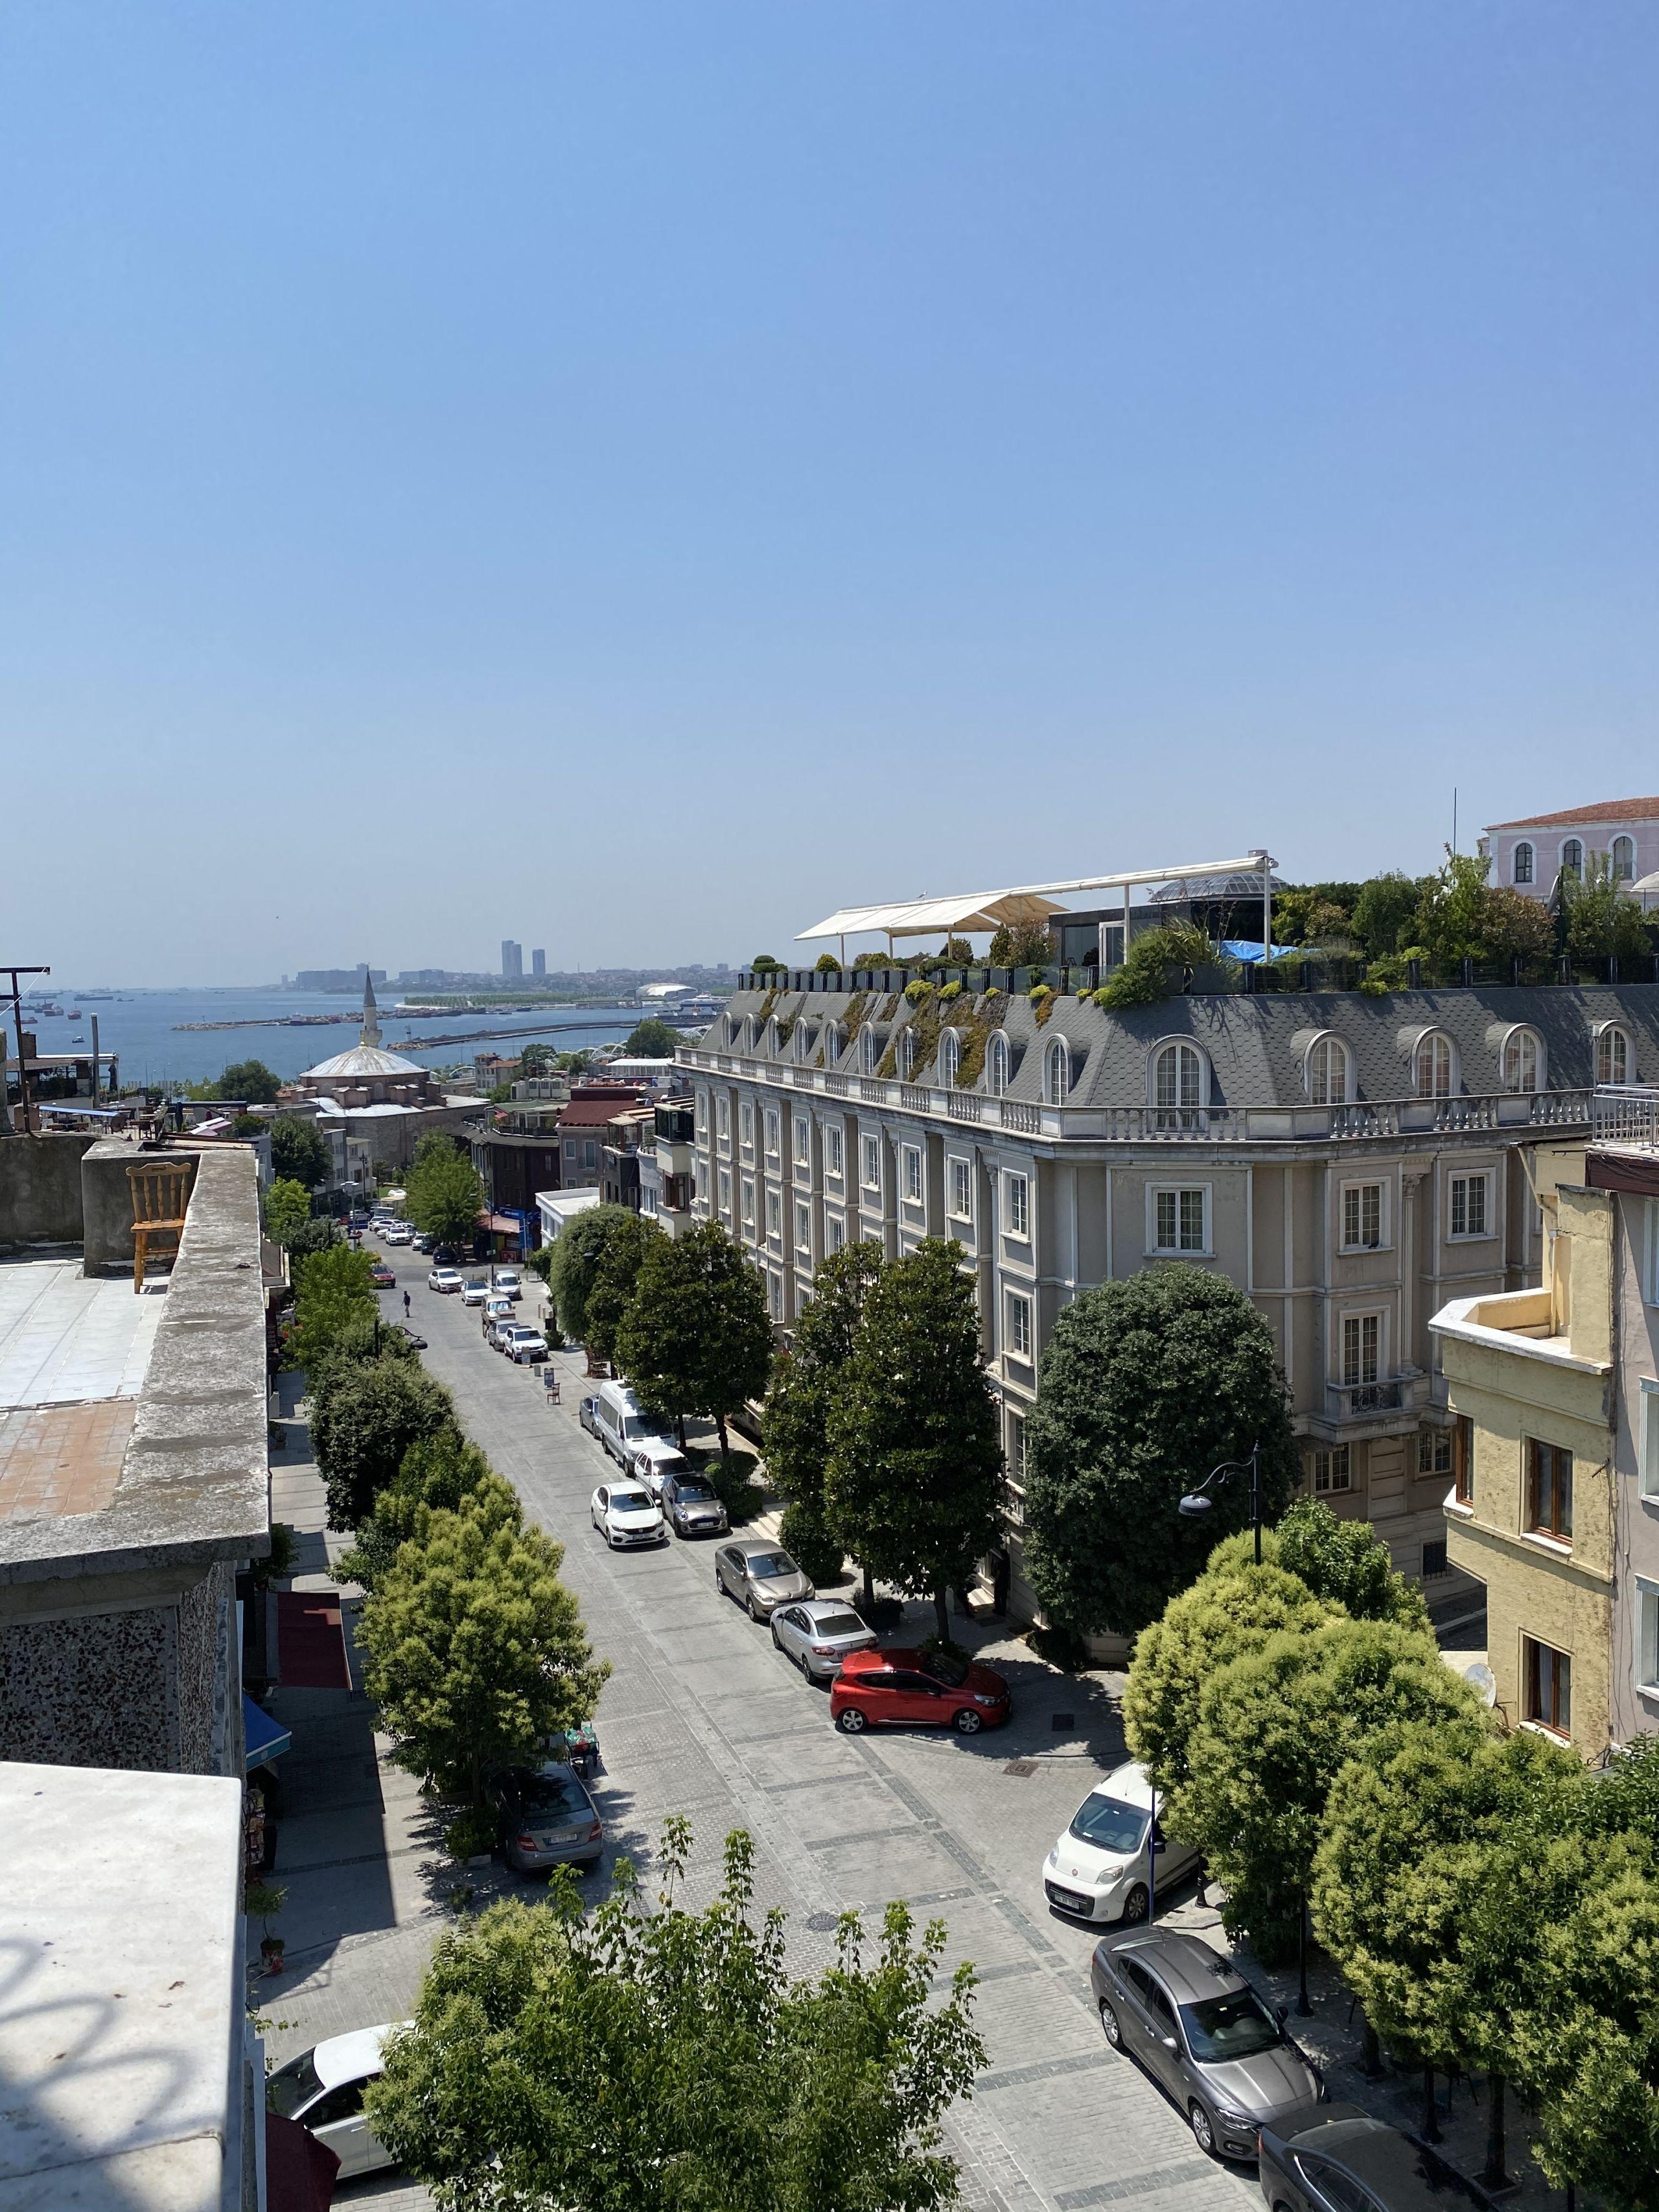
266, 1739
1250, 948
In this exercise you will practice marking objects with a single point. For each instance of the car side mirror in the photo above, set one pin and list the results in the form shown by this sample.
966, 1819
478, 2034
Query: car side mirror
1169, 2043
1158, 1844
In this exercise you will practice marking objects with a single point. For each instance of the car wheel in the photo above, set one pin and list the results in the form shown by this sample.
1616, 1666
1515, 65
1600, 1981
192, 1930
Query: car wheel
1203, 2130
777, 1641
1134, 1905
850, 1721
967, 1722
755, 1612
1110, 2025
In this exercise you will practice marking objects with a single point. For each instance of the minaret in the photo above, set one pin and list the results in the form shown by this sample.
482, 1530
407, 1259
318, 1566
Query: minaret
371, 1031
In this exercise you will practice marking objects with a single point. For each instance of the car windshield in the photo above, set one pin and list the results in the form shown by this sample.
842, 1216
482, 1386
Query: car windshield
630, 1501
765, 1566
543, 1797
945, 1668
477, 1282
1234, 2026
634, 1424
1109, 1825
292, 2086
839, 1624
694, 1493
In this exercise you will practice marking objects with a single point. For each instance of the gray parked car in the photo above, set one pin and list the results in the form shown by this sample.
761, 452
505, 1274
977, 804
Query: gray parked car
693, 1505
1330, 2158
545, 1818
819, 1634
1194, 2023
759, 1575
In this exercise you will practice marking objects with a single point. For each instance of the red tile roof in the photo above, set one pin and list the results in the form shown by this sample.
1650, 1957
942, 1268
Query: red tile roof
1615, 810
589, 1113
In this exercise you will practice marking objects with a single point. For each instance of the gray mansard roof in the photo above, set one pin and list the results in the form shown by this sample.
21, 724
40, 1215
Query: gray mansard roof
1257, 1047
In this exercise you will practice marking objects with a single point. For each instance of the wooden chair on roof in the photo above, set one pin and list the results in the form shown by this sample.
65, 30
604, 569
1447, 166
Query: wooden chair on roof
160, 1192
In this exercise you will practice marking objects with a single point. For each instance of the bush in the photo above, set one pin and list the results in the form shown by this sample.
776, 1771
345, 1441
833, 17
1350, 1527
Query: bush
917, 989
469, 1835
1062, 1647
813, 1549
826, 964
949, 991
1144, 978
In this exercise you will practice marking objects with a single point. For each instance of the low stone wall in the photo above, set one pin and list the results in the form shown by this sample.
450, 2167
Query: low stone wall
40, 1189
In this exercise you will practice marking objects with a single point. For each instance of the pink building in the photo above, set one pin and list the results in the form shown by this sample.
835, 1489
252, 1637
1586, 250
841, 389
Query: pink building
1530, 855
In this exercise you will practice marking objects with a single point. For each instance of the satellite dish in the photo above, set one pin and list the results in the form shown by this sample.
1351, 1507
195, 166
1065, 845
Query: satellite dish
1484, 1680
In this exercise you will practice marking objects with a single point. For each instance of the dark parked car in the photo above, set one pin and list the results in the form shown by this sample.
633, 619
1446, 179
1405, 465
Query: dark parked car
545, 1818
1335, 2158
1189, 2017
915, 1689
693, 1505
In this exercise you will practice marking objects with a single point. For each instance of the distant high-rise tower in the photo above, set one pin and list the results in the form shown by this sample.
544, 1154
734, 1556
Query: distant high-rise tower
512, 961
537, 961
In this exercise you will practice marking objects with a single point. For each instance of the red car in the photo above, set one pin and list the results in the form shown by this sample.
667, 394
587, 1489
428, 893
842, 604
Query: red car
915, 1689
382, 1277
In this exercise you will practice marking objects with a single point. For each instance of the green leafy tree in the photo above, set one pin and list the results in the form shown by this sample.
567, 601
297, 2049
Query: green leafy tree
298, 1152
475, 1649
655, 2059
1146, 1385
436, 1473
331, 1291
1143, 977
1275, 1725
826, 964
1345, 1562
653, 1039
287, 1208
251, 1081
573, 1265
616, 1278
914, 1479
1516, 927
364, 1419
763, 964
1385, 912
444, 1197
1021, 945
696, 1338
1234, 1607
1315, 914
317, 1235
795, 1435
1625, 1793
1602, 919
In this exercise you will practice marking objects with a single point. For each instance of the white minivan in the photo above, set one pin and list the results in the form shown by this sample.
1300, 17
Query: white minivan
631, 1437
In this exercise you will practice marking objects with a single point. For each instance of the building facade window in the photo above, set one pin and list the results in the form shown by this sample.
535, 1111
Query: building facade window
803, 1142
1362, 1217
1549, 1490
996, 1065
801, 1037
1332, 1469
702, 1113
746, 1123
1647, 1636
748, 1203
832, 1046
1520, 869
1611, 1055
775, 1297
872, 1163
1178, 1086
950, 1057
591, 1153
1017, 1447
1362, 1349
1572, 858
837, 1232
867, 1054
832, 1150
725, 1193
1057, 1072
1521, 1060
1181, 1220
771, 1131
1434, 1451
1469, 1208
913, 1171
1647, 1438
906, 1054
1020, 1326
1621, 860
723, 1118
774, 1214
1328, 1072
1432, 1066
1463, 1460
804, 1230
1547, 1691
1019, 1206
962, 1190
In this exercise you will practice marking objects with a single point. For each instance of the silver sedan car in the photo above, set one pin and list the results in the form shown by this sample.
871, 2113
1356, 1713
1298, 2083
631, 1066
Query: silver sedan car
819, 1634
761, 1576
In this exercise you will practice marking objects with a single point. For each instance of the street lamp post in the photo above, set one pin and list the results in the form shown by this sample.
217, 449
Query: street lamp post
1197, 1503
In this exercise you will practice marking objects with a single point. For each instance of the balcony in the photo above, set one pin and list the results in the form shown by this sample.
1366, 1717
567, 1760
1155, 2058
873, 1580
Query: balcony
1625, 1114
675, 1125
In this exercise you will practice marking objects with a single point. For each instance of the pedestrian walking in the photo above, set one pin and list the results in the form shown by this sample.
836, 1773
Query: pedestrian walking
405, 1305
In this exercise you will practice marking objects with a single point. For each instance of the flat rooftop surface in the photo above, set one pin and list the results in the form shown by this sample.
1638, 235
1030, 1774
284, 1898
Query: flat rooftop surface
123, 2000
69, 1340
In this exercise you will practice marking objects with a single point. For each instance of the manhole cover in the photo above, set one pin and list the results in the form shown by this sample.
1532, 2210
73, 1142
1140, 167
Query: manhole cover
1021, 1766
1061, 1723
822, 1924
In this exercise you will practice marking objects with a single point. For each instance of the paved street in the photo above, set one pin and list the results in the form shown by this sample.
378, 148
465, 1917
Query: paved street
702, 1715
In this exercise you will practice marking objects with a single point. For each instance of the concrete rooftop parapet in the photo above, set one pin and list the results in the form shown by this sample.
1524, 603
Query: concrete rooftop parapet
193, 1483
1462, 1319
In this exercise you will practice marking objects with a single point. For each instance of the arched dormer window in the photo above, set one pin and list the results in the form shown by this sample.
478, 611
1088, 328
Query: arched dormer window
1056, 1072
1522, 1066
1521, 863
1180, 1085
802, 1040
998, 1065
833, 1043
1326, 1073
770, 1040
950, 1058
867, 1054
1613, 1054
1621, 858
1572, 858
751, 1034
1431, 1066
905, 1056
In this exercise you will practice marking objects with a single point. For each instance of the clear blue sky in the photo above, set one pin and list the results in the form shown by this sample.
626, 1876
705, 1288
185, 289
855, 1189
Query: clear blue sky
634, 478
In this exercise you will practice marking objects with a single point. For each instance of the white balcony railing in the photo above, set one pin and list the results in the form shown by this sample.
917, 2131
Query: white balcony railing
1625, 1114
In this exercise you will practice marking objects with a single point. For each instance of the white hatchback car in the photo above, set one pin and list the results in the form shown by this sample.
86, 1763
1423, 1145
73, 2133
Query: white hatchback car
1100, 1867
323, 2090
445, 1278
626, 1514
477, 1290
509, 1284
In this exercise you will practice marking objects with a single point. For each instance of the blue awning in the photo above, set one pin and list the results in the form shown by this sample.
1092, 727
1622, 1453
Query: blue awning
1251, 949
266, 1739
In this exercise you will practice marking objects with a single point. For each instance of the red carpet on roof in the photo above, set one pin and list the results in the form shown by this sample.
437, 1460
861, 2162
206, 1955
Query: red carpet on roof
311, 1648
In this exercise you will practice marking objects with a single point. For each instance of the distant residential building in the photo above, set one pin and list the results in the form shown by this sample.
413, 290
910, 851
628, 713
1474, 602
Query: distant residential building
628, 1160
538, 964
512, 961
581, 1130
557, 1209
1533, 853
338, 979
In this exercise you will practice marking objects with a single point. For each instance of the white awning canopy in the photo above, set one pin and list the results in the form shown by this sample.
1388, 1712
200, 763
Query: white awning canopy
971, 911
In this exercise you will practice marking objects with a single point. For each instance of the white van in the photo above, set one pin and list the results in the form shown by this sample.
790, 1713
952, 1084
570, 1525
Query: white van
624, 1430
